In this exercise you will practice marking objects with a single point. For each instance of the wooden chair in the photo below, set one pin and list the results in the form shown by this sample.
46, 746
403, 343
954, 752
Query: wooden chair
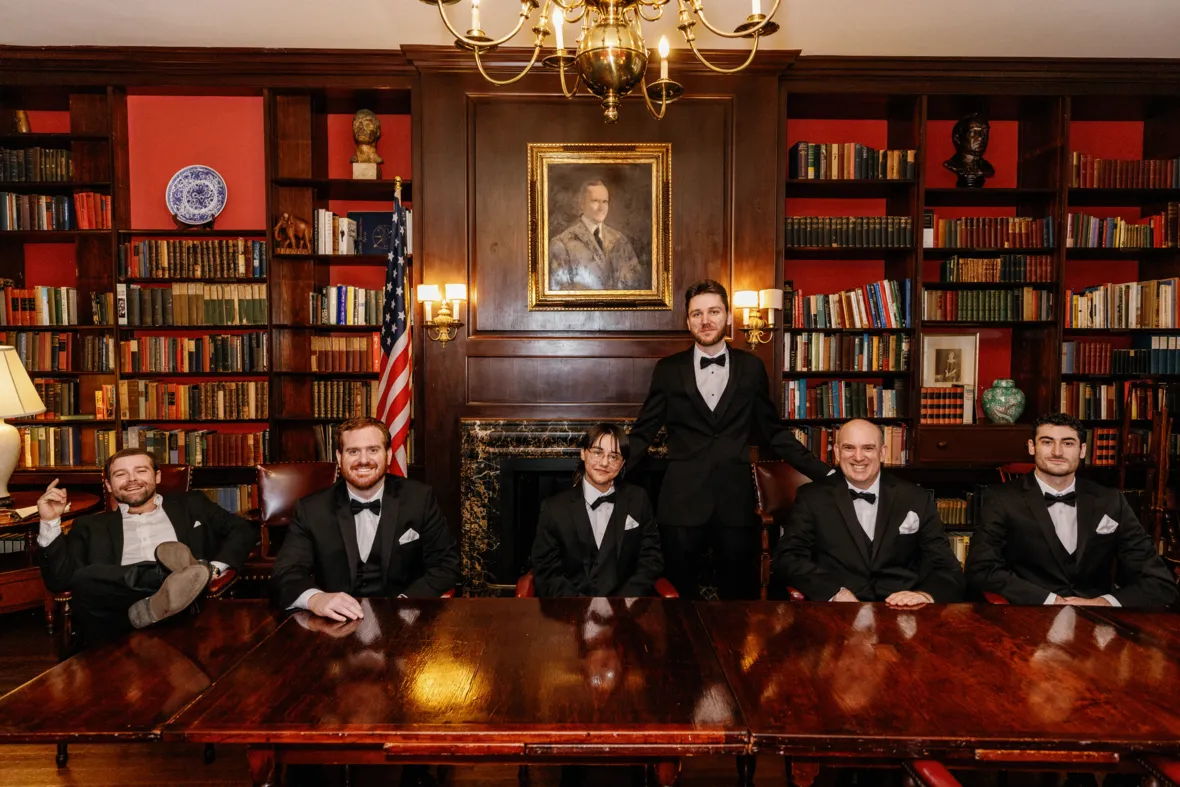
526, 587
775, 485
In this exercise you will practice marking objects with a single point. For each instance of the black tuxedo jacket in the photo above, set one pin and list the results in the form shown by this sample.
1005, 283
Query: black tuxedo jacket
1016, 552
567, 562
320, 549
97, 539
708, 450
823, 547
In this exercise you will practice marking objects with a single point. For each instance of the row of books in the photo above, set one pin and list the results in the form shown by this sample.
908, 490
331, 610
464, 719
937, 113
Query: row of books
821, 441
325, 443
343, 398
54, 352
850, 161
1096, 232
1023, 303
1131, 305
1139, 444
346, 353
60, 397
358, 232
1002, 269
844, 399
1090, 172
103, 309
953, 511
40, 305
1146, 401
238, 499
200, 447
1091, 401
36, 165
61, 446
825, 352
1102, 446
245, 352
92, 210
961, 546
192, 303
220, 258
36, 212
245, 400
104, 401
1085, 357
990, 232
879, 304
1151, 355
879, 232
345, 305
952, 404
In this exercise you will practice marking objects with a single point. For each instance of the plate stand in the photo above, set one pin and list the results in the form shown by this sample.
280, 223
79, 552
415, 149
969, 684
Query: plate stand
181, 225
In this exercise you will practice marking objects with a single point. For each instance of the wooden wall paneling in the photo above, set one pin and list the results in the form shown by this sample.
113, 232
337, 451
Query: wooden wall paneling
120, 160
292, 136
921, 113
1161, 127
292, 352
552, 380
96, 269
89, 113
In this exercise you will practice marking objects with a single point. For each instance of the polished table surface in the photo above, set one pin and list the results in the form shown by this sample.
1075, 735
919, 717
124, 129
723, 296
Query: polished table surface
954, 681
499, 678
127, 690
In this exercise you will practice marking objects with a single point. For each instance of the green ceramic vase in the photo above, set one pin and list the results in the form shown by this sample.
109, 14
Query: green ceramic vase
1003, 402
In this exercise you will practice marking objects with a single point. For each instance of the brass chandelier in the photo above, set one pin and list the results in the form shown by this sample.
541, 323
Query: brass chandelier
610, 57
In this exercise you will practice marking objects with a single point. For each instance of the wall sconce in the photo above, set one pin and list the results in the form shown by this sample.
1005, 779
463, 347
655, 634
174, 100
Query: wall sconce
758, 330
444, 327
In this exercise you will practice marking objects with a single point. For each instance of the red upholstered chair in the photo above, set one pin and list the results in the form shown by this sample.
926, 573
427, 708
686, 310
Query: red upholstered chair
1015, 470
526, 587
775, 485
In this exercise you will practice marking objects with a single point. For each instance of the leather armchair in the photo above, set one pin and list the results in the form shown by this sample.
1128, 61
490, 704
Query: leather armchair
775, 485
280, 486
1014, 470
526, 587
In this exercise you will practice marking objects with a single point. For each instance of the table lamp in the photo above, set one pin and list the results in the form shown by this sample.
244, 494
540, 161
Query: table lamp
18, 399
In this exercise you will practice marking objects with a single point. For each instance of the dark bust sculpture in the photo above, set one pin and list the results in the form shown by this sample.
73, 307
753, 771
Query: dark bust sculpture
970, 137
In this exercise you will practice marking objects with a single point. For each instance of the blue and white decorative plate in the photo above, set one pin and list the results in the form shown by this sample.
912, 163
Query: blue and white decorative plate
196, 194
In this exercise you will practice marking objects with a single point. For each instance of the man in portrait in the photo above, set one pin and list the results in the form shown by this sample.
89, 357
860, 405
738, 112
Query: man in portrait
589, 255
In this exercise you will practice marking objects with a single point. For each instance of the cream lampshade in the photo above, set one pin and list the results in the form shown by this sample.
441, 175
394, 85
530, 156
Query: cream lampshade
18, 399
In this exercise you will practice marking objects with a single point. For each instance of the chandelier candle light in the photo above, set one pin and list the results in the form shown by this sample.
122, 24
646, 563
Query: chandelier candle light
611, 56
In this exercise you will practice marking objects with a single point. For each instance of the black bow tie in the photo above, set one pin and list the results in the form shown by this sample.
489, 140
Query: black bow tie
604, 499
718, 359
357, 506
1070, 499
868, 497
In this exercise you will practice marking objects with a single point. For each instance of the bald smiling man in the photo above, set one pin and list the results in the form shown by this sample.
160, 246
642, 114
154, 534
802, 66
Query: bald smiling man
860, 535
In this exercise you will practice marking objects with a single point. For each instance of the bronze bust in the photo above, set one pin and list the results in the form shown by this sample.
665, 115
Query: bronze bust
970, 136
366, 130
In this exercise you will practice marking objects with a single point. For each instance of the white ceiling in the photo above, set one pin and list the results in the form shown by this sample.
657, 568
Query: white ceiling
1021, 28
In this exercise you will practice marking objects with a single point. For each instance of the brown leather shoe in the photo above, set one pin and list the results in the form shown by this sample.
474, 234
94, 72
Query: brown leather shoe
180, 589
174, 556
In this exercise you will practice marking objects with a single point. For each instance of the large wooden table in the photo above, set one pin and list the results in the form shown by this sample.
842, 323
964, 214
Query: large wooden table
966, 684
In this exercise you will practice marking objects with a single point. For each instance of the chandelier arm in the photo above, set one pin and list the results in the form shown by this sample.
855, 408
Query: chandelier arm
651, 107
501, 82
753, 51
525, 11
658, 9
699, 12
577, 83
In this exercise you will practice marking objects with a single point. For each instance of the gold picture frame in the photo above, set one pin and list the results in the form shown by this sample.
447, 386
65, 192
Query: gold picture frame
600, 226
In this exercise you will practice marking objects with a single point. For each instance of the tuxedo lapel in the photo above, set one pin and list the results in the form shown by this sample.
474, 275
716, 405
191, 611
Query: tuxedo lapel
1034, 498
389, 529
731, 384
347, 525
848, 514
612, 539
1088, 516
688, 377
883, 530
576, 507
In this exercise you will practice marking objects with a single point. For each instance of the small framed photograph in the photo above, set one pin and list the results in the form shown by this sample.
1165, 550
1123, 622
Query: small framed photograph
949, 359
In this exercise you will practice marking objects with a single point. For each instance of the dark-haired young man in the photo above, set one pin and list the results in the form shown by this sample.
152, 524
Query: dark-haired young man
712, 398
1052, 538
147, 560
600, 537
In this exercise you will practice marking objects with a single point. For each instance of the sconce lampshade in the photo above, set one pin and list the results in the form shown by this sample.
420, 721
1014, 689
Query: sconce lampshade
456, 292
745, 299
428, 293
770, 299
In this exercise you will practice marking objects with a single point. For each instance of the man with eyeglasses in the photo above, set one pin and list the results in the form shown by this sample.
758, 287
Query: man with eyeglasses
600, 537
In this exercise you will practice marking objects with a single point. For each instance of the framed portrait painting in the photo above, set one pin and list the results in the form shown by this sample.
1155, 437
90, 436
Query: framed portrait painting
600, 226
949, 359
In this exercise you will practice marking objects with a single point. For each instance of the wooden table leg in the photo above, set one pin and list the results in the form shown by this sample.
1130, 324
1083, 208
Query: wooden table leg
746, 763
261, 760
667, 772
801, 773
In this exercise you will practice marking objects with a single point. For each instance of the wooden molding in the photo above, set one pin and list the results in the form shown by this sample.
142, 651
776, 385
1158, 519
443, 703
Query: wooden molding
448, 59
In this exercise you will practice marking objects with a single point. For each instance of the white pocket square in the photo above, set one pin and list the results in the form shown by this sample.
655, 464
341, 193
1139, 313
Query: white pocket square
196, 524
1107, 525
631, 524
909, 525
408, 536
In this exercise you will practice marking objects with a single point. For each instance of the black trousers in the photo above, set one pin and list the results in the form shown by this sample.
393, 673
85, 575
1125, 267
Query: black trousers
103, 594
735, 559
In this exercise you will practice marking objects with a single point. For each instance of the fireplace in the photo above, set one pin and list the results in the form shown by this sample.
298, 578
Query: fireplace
508, 468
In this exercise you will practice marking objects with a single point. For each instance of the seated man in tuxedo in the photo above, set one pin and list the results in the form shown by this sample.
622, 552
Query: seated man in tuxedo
370, 534
144, 562
600, 537
865, 536
1053, 538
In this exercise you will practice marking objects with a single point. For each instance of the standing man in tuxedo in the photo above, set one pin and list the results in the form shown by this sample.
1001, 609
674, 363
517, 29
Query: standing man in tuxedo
369, 534
600, 537
712, 398
866, 536
1053, 538
143, 562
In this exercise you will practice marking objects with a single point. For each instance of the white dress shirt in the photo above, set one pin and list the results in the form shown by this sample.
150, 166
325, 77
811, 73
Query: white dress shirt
866, 512
366, 533
1065, 522
593, 227
142, 533
600, 517
712, 380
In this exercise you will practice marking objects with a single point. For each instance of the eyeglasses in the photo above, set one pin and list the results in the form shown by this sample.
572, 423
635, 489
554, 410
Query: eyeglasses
611, 458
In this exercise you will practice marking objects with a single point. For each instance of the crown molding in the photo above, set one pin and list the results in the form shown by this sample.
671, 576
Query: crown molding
449, 59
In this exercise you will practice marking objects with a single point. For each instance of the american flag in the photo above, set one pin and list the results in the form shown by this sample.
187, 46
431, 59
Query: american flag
393, 391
